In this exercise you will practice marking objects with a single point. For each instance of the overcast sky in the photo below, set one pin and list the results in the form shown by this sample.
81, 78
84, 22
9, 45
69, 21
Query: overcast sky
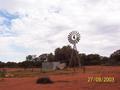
40, 26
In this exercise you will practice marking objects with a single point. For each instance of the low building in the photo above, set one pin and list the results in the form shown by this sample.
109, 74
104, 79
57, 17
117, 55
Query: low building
50, 65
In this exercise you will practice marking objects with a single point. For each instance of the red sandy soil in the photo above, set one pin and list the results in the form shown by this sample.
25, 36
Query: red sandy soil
75, 81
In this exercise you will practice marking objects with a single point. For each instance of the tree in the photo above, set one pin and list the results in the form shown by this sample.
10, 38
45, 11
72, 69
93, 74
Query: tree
63, 54
51, 57
29, 58
37, 62
83, 59
11, 64
2, 64
43, 57
93, 59
58, 54
105, 60
115, 58
26, 64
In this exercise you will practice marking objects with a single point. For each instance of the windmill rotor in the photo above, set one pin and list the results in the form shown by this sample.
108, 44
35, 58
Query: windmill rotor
74, 37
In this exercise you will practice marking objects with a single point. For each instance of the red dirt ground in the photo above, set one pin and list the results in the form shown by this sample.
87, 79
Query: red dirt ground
76, 81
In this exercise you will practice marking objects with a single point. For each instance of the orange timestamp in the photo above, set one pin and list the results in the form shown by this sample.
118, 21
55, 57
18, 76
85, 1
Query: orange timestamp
101, 79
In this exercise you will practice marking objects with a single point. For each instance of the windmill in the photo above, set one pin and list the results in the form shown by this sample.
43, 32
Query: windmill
74, 38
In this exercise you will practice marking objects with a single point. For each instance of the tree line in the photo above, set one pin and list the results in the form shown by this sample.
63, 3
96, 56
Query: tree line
63, 55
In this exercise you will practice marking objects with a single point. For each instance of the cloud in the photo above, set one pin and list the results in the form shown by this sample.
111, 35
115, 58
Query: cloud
6, 23
7, 18
40, 26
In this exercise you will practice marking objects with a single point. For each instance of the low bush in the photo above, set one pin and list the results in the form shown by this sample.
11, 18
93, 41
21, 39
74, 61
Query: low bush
44, 80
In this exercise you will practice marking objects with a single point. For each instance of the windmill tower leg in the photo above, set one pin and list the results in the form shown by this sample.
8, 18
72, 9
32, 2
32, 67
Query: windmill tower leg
73, 62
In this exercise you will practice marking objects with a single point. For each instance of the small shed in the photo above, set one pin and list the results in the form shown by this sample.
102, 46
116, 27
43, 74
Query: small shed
50, 65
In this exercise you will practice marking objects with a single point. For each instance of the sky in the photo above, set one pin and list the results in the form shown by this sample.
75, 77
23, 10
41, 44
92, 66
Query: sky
40, 26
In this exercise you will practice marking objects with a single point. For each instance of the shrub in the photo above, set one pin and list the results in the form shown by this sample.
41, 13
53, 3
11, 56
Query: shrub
44, 80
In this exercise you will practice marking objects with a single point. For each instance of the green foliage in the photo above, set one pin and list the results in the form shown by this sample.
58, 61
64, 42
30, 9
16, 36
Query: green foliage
93, 59
11, 64
43, 57
29, 57
51, 57
63, 54
2, 64
115, 58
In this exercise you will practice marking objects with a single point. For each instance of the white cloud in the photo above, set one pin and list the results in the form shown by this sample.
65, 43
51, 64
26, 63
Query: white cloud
46, 23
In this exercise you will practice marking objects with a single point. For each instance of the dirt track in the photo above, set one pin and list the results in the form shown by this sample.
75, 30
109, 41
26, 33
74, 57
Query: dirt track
76, 81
